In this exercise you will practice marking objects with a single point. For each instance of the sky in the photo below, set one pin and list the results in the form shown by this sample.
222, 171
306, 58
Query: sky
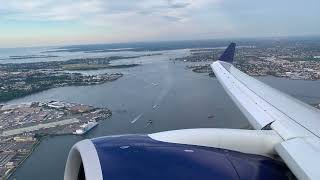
60, 22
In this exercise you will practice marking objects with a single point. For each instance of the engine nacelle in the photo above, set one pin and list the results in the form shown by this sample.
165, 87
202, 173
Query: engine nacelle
142, 157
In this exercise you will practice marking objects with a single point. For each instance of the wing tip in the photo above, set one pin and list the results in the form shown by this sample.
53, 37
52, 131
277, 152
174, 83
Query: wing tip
228, 54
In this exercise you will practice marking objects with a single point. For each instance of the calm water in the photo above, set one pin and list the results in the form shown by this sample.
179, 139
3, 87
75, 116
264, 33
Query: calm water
182, 99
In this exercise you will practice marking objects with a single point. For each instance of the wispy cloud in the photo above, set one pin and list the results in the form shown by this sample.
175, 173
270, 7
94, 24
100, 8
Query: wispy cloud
65, 10
128, 20
46, 10
173, 4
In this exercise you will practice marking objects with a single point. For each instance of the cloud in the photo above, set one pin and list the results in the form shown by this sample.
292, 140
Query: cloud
46, 10
109, 20
66, 10
174, 4
138, 20
173, 18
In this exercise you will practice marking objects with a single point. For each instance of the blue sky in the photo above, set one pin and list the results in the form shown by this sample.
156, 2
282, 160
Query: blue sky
58, 22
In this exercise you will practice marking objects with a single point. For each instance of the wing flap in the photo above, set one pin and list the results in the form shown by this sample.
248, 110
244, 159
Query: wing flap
302, 155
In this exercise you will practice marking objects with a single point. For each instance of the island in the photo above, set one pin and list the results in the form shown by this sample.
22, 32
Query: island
21, 79
198, 68
24, 125
85, 67
21, 83
32, 57
98, 62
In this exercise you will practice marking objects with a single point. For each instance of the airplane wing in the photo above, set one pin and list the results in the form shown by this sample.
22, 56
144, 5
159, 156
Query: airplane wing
267, 108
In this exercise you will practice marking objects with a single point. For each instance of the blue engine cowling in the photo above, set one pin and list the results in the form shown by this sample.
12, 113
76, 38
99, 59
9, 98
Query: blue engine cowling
141, 157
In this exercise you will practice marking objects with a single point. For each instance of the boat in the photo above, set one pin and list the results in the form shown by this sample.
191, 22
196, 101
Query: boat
84, 128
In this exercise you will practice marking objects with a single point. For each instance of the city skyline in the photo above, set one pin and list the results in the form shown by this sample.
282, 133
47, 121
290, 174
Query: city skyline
48, 22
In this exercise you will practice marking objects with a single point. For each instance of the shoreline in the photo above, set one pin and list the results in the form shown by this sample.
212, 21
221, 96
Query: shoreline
119, 75
13, 170
201, 69
59, 119
39, 138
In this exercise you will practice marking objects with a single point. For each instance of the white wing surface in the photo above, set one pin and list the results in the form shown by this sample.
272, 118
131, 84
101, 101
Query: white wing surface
267, 108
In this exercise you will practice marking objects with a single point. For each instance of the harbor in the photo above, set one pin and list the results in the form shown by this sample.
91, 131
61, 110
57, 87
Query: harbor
181, 100
23, 126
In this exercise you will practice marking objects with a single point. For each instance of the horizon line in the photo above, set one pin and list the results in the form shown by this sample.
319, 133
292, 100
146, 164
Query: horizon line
178, 40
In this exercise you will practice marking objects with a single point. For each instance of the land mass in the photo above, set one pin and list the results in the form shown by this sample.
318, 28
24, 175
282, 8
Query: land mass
21, 79
22, 83
24, 125
289, 62
32, 56
85, 67
104, 62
